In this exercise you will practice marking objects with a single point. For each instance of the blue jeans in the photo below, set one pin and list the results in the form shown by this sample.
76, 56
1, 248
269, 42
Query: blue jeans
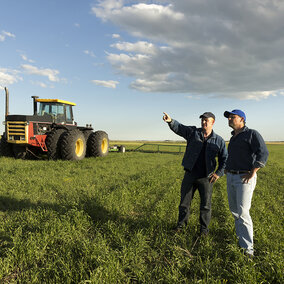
188, 187
239, 197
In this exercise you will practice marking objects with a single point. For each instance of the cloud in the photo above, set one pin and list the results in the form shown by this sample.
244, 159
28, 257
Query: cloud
51, 74
107, 84
41, 84
5, 34
8, 77
25, 58
115, 36
216, 48
105, 7
90, 53
140, 46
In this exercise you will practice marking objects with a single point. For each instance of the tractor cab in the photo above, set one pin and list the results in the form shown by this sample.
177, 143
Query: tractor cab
58, 110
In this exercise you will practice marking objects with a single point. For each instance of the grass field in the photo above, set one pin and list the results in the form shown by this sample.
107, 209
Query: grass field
109, 220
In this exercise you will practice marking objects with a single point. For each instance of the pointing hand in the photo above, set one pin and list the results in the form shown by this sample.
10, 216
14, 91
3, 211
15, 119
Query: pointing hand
166, 117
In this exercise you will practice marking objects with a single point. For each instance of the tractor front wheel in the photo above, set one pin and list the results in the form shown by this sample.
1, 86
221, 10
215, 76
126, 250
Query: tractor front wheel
73, 145
98, 144
53, 143
5, 147
20, 152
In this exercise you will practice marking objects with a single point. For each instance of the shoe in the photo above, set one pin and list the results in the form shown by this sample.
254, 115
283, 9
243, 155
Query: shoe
249, 256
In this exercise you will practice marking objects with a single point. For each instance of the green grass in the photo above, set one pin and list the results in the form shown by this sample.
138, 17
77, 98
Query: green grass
109, 220
276, 153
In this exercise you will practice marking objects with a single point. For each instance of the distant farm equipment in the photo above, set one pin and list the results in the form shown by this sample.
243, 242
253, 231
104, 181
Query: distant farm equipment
117, 148
160, 148
50, 130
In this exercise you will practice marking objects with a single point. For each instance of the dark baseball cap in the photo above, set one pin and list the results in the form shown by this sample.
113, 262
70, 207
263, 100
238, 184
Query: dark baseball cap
237, 112
207, 115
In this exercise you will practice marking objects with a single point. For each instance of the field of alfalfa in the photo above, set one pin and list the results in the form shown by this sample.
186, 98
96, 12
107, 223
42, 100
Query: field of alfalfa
109, 220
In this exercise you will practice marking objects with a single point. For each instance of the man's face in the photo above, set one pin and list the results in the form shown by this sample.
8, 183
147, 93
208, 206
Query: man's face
235, 121
207, 123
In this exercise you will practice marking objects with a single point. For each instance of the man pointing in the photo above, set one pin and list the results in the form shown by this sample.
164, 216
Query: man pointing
199, 162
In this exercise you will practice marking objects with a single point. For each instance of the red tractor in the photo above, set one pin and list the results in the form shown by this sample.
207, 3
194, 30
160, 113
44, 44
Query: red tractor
50, 130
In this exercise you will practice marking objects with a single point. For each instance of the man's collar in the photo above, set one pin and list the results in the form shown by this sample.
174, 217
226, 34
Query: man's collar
212, 134
245, 128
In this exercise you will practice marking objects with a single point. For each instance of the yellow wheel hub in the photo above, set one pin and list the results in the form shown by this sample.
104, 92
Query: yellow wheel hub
104, 145
79, 147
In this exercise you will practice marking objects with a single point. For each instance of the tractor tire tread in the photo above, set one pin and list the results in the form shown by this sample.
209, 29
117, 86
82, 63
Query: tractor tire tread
53, 141
95, 144
68, 142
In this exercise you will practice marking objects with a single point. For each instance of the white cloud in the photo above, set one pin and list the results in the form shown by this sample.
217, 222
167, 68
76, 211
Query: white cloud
5, 34
90, 53
105, 7
107, 84
140, 47
115, 36
25, 58
131, 65
41, 84
51, 74
200, 47
8, 77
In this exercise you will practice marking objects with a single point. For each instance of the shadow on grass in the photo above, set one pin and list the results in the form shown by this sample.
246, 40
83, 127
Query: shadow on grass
12, 204
103, 219
92, 207
100, 215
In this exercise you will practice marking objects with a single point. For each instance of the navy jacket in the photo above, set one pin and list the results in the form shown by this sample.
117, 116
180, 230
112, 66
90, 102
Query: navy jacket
247, 150
216, 147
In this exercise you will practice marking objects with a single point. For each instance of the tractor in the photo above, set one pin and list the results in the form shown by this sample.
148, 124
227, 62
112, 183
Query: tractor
50, 130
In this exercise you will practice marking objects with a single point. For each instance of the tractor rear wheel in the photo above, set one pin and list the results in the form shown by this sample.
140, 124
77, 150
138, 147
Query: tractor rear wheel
53, 143
5, 147
73, 145
98, 144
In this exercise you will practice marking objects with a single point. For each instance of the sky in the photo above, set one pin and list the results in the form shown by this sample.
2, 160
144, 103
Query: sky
126, 62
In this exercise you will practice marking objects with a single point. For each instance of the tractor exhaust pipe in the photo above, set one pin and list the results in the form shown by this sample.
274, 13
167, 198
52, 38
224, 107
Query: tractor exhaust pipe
35, 104
6, 102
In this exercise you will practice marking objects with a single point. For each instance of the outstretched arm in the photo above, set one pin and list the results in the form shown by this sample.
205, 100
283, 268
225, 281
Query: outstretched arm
178, 128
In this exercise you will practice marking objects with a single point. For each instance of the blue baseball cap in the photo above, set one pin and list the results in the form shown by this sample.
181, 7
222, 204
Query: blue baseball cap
237, 112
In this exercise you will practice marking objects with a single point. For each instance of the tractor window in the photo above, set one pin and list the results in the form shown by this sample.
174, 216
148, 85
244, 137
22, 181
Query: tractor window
44, 109
69, 113
57, 109
53, 109
58, 112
